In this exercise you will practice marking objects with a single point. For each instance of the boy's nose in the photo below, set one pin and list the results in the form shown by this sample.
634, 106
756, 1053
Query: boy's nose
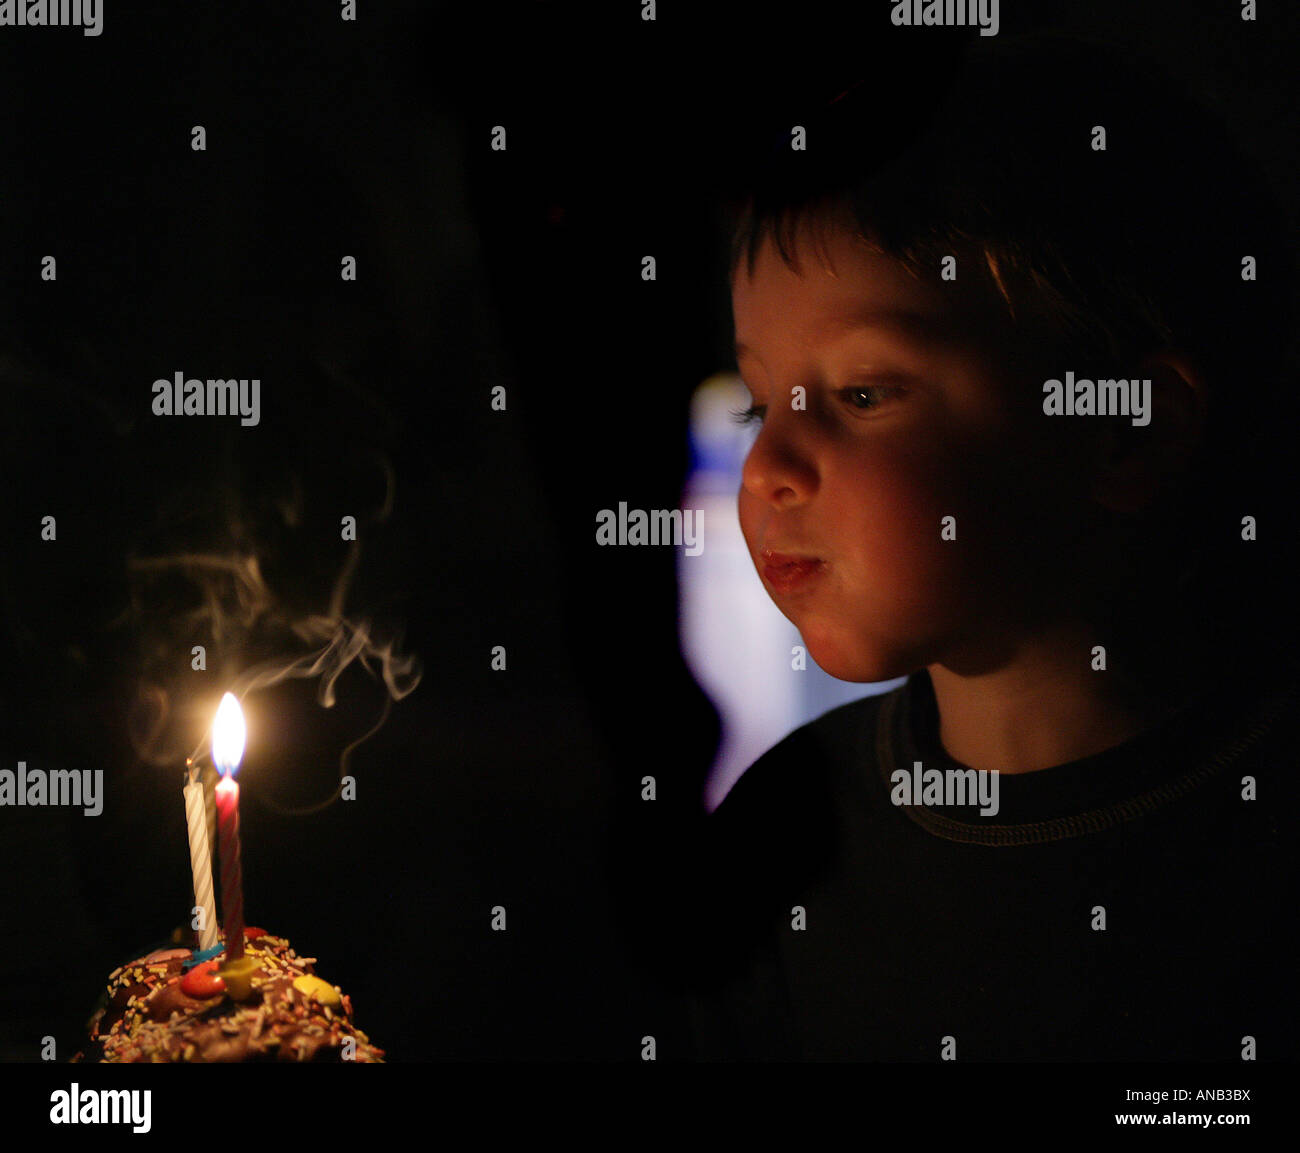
777, 469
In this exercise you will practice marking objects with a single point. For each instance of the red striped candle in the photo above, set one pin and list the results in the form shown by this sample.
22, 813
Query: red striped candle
228, 734
232, 880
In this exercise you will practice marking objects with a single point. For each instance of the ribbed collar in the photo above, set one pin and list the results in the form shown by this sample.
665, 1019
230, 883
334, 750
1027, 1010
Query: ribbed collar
1168, 761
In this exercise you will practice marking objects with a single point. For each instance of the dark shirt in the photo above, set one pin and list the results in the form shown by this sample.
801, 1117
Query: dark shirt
929, 923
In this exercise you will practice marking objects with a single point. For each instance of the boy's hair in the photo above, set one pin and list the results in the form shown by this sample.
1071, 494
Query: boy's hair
1109, 254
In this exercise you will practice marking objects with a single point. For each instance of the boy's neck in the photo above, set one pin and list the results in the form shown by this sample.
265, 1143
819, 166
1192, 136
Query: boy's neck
1046, 706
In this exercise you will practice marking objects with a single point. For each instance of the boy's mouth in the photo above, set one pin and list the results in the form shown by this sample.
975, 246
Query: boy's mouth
789, 572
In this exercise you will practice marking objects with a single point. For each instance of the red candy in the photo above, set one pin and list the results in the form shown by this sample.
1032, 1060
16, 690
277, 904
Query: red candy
203, 981
253, 934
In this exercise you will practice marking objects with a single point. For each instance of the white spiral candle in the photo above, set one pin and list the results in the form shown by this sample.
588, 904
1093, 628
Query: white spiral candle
196, 818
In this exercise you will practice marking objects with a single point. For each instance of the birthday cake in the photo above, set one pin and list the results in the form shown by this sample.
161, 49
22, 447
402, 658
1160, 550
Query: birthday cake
170, 1005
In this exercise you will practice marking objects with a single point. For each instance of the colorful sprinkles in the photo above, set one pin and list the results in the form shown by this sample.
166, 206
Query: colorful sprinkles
150, 1017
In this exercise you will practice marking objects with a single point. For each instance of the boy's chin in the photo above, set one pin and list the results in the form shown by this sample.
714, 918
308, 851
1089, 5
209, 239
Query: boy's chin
860, 664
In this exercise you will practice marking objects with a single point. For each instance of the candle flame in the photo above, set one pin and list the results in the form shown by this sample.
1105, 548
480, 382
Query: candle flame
228, 735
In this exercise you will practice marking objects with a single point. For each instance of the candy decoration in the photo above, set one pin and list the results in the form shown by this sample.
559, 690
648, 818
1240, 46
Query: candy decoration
162, 955
203, 981
203, 955
322, 991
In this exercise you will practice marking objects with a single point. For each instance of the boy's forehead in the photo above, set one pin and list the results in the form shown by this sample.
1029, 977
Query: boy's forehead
835, 286
840, 282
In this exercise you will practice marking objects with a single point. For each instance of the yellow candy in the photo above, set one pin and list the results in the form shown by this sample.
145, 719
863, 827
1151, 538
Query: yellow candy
323, 991
238, 976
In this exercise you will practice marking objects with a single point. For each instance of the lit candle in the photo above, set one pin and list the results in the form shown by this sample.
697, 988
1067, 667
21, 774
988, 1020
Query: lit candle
196, 818
228, 734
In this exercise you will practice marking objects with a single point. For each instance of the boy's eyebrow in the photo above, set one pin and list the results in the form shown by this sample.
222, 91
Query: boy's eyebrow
907, 323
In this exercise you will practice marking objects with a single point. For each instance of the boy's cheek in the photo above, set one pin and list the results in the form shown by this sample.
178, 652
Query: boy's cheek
911, 510
749, 512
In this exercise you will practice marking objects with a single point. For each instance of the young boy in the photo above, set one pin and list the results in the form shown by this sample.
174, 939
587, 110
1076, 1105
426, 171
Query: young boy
1016, 390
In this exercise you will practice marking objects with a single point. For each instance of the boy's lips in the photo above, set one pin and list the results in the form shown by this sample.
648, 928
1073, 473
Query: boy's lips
790, 572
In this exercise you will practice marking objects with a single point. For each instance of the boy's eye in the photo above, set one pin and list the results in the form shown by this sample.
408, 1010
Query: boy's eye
864, 397
858, 397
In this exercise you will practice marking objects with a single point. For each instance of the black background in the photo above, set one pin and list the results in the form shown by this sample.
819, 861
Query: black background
476, 268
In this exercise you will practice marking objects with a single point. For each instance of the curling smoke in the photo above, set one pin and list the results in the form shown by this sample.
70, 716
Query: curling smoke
226, 599
341, 642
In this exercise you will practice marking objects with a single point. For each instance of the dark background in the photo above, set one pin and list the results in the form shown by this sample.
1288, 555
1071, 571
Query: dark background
476, 269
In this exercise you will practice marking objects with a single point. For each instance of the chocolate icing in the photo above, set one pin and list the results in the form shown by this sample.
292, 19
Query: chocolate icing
148, 1017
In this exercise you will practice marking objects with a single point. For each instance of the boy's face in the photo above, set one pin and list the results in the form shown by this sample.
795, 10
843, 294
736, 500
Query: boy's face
915, 408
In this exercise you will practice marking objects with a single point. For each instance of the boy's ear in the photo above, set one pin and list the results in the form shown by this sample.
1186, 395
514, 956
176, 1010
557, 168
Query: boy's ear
1136, 464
